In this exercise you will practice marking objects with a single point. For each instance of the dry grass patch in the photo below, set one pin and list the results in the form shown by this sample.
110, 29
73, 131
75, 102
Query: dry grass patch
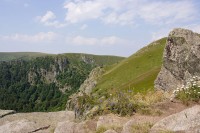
141, 128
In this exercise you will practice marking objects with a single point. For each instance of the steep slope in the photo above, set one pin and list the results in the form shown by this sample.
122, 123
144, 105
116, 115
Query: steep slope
45, 83
138, 71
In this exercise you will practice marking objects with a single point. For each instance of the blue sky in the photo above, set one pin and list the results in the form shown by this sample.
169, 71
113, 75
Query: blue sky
106, 27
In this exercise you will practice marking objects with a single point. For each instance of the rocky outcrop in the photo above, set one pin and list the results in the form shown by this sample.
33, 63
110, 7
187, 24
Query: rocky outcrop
91, 81
48, 75
181, 59
39, 122
84, 91
186, 121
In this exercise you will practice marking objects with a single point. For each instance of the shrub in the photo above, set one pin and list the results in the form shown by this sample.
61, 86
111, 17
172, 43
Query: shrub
189, 92
120, 104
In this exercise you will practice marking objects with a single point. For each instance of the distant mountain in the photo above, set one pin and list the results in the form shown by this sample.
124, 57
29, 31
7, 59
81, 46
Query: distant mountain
8, 56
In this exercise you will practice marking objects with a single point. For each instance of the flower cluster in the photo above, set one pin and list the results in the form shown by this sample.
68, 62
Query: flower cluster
190, 91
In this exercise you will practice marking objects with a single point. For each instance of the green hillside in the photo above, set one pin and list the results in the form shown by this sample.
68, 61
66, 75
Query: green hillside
8, 56
117, 89
136, 73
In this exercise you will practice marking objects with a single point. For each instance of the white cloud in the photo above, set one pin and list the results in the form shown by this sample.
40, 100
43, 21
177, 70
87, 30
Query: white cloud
83, 27
166, 12
48, 16
37, 38
127, 12
83, 10
125, 18
49, 20
110, 40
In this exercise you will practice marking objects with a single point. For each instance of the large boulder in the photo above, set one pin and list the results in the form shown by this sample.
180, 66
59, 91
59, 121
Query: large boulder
18, 126
6, 112
72, 127
181, 59
187, 121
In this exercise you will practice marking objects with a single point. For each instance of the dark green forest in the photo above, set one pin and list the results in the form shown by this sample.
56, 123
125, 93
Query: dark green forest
17, 93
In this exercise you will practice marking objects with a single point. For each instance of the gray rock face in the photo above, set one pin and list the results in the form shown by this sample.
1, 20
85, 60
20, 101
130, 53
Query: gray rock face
181, 59
186, 121
85, 89
91, 81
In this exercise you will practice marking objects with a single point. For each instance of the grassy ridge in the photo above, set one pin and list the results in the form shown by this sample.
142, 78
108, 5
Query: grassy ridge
8, 56
98, 59
137, 72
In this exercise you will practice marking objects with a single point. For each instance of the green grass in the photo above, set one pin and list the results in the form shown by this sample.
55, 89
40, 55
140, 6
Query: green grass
117, 89
137, 72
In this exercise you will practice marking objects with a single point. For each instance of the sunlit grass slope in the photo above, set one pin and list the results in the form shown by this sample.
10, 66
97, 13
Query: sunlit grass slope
136, 73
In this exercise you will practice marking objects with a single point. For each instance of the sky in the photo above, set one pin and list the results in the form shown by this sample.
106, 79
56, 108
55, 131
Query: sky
102, 27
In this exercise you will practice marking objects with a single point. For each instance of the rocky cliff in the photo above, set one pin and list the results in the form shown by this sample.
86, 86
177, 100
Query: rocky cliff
181, 59
79, 101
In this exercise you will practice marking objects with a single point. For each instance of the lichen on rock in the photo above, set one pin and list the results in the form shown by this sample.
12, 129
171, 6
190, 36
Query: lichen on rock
181, 59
